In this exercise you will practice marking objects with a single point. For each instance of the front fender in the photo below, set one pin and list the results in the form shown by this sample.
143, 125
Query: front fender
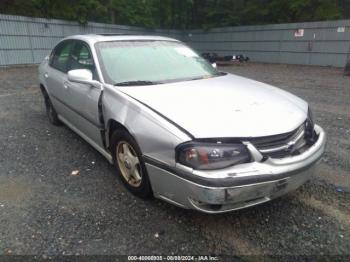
156, 137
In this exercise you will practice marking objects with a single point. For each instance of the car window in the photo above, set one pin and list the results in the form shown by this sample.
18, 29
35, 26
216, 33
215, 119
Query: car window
81, 58
60, 56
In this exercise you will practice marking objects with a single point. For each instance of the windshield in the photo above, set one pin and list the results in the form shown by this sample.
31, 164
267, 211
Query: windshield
150, 62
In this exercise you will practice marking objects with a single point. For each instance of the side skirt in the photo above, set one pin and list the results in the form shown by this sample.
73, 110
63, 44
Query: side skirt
106, 154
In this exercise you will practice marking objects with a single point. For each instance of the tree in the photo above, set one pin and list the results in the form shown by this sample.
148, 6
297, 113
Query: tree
182, 14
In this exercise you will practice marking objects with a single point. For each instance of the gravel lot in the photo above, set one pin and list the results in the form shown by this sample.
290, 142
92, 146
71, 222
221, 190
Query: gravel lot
45, 210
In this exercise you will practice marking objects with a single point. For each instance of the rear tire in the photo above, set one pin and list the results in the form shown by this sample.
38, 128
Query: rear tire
128, 161
50, 110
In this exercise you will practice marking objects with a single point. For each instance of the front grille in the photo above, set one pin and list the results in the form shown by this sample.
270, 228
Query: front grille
280, 146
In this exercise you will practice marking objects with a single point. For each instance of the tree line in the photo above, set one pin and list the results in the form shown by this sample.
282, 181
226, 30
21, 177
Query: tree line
181, 14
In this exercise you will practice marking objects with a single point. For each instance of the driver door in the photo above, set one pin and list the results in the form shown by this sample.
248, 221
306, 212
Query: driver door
83, 99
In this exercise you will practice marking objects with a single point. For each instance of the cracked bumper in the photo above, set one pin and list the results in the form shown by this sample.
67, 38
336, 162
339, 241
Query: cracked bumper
236, 187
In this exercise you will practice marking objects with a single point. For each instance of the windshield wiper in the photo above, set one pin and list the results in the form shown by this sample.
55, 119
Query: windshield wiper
136, 83
199, 78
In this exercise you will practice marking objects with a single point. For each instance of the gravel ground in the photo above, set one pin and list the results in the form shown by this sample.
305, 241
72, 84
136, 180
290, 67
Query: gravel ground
45, 210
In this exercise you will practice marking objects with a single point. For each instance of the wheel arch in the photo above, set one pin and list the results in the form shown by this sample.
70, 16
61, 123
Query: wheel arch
43, 90
112, 126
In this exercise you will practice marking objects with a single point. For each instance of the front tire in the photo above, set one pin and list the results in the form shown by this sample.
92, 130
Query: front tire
128, 161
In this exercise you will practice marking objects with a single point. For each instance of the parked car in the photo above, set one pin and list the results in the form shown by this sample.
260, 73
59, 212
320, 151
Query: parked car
177, 128
210, 57
347, 69
226, 59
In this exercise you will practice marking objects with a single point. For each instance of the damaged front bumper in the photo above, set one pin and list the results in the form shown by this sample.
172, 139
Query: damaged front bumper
236, 187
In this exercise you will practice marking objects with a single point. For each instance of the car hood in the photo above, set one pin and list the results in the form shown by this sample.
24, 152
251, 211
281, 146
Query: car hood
224, 106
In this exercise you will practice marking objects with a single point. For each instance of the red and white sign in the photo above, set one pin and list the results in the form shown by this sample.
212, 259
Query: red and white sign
299, 33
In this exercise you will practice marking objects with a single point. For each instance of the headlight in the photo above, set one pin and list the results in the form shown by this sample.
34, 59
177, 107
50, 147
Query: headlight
208, 156
310, 117
309, 125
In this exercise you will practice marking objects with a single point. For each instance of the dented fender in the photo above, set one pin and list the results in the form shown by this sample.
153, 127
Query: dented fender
155, 136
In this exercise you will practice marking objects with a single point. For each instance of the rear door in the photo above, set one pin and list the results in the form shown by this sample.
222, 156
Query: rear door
56, 75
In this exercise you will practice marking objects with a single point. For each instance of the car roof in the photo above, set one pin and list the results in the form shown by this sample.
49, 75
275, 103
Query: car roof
94, 38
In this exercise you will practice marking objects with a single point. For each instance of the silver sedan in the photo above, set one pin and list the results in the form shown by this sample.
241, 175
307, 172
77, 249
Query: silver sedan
177, 128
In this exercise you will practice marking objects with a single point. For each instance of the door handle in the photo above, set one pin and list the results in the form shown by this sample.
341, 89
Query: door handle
46, 75
66, 85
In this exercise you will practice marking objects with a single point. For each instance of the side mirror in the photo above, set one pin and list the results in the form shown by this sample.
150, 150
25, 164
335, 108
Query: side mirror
83, 76
214, 65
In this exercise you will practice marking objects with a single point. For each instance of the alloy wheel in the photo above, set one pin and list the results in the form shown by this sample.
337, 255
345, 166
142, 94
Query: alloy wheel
129, 164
